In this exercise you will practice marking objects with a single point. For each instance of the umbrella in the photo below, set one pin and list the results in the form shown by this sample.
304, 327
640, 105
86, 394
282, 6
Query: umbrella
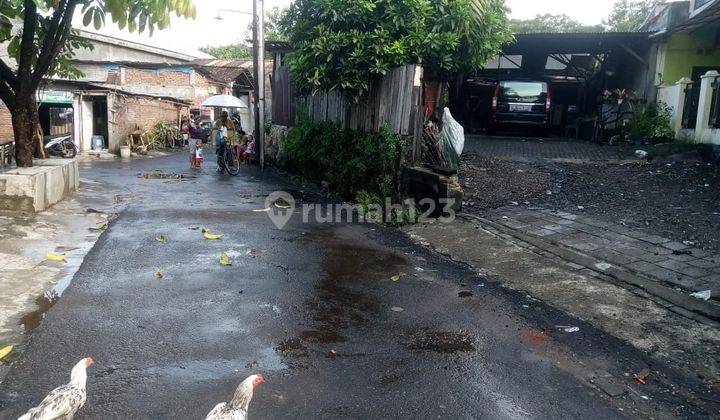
225, 101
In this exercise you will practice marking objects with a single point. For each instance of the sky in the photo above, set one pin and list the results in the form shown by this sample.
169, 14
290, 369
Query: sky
189, 35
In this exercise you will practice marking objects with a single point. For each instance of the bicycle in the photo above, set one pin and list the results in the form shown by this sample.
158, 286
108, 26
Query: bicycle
227, 159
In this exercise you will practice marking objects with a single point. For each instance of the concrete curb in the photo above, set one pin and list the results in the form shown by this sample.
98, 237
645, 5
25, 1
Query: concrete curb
698, 310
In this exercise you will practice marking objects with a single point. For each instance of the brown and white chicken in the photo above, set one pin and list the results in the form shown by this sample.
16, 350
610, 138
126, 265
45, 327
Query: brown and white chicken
63, 402
237, 408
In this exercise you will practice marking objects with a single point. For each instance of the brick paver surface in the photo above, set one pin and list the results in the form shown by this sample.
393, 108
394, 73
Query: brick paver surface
536, 149
676, 264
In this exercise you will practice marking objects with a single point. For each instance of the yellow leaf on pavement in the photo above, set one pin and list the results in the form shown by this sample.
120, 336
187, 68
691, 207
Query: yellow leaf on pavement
265, 210
161, 239
397, 277
55, 257
282, 205
212, 236
224, 259
5, 351
158, 273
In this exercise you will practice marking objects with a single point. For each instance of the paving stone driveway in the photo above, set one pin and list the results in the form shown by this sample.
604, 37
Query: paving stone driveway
676, 264
541, 149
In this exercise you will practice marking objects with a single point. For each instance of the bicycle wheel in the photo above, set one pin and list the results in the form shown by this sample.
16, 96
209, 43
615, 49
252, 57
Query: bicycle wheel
232, 164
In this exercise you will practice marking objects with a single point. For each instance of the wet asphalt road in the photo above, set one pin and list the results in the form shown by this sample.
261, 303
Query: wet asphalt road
174, 347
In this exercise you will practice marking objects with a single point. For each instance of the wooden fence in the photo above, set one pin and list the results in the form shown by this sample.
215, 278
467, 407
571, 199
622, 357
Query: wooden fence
395, 100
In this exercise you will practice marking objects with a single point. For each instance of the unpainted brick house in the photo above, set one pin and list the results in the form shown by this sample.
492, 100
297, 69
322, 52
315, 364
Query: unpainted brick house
127, 86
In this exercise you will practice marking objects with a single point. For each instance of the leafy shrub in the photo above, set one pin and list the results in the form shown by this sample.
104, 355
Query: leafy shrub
350, 161
652, 123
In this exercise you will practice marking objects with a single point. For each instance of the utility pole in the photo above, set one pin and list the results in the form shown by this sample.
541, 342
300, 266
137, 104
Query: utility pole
259, 76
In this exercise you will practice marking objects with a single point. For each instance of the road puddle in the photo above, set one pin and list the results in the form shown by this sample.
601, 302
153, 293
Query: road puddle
341, 300
31, 320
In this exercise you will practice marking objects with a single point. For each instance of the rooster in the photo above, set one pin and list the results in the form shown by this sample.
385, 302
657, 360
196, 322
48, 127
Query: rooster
63, 402
238, 407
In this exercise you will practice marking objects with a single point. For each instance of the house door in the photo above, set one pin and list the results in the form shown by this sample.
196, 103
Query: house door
100, 119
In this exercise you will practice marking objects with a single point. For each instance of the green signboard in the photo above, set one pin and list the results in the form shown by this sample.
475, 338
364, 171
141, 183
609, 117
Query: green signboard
55, 97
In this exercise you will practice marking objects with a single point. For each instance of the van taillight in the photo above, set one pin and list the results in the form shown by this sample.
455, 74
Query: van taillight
496, 95
548, 101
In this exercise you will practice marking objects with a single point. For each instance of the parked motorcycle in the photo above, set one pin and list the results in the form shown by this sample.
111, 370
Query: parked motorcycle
62, 146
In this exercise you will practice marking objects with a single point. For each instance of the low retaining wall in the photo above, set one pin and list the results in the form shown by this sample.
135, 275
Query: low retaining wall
37, 188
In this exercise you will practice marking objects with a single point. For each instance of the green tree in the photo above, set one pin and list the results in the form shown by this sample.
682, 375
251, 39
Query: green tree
552, 24
229, 52
274, 31
344, 44
43, 41
629, 15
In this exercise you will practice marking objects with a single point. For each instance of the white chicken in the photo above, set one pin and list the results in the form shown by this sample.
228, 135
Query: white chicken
63, 402
238, 407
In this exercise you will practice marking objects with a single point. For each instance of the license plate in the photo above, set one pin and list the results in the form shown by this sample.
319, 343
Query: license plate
520, 107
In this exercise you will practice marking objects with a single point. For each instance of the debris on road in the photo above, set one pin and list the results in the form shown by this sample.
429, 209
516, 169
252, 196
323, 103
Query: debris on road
568, 329
332, 352
465, 294
642, 375
163, 175
55, 257
161, 239
397, 309
397, 277
704, 295
224, 259
5, 351
158, 273
641, 154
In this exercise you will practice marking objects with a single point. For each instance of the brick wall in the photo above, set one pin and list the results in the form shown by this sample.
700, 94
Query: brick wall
6, 131
156, 77
132, 112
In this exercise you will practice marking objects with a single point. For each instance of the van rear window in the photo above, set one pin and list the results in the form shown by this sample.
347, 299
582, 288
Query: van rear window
524, 91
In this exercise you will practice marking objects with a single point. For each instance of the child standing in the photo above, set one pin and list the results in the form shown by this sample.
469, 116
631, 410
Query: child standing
196, 155
249, 153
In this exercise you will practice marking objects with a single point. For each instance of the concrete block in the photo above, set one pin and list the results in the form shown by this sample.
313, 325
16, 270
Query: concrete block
37, 188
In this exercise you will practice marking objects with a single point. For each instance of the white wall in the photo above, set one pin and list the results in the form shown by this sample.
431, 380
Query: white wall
670, 96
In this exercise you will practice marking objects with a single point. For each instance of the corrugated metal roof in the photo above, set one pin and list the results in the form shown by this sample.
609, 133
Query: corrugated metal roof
709, 15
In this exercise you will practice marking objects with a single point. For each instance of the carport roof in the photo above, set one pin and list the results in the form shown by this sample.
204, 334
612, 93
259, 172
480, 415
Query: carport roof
575, 43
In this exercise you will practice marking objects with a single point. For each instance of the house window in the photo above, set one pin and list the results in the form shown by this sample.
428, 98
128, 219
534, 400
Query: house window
701, 3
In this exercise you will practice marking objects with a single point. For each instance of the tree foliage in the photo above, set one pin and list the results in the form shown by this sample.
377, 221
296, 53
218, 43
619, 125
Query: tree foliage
237, 51
274, 31
552, 24
344, 44
41, 41
629, 15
